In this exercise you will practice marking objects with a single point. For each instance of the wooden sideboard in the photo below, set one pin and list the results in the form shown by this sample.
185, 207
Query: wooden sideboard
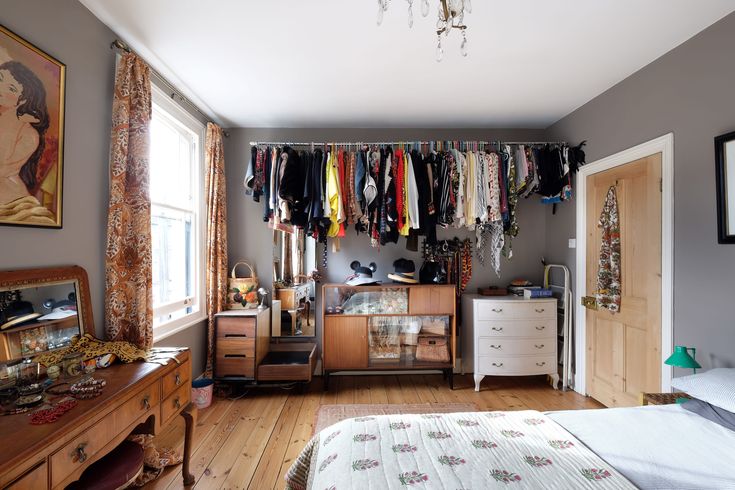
138, 397
351, 316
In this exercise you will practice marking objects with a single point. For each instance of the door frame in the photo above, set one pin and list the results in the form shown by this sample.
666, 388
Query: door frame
664, 145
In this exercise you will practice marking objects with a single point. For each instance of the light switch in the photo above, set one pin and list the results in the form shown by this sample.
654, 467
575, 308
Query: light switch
572, 243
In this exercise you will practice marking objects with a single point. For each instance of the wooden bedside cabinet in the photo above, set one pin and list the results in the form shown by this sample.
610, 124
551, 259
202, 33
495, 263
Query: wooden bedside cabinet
240, 344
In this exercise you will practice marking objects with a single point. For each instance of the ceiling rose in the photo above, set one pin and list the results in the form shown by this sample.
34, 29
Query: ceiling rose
450, 16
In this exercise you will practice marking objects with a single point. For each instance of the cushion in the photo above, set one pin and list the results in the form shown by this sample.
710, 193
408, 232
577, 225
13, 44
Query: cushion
716, 386
116, 470
711, 413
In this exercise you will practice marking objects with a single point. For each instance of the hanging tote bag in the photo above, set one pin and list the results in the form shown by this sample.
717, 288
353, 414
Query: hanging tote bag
242, 292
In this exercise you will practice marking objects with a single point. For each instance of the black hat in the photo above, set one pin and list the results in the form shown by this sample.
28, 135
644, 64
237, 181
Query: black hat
404, 271
363, 275
17, 313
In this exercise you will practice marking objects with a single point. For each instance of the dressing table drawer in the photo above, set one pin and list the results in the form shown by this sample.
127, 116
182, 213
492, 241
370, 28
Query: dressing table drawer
517, 366
171, 406
516, 310
175, 379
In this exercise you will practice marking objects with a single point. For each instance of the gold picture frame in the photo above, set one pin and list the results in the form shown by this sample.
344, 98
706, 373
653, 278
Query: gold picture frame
32, 92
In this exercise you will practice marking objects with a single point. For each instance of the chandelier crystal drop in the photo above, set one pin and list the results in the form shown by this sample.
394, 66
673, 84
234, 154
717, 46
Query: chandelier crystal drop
450, 16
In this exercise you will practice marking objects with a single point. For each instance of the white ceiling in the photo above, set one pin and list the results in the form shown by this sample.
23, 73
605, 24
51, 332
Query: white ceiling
324, 63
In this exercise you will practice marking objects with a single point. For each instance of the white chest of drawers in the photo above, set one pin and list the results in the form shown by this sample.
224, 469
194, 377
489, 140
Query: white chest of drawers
512, 336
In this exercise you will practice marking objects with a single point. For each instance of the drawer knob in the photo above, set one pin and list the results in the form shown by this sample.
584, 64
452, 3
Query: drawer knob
539, 364
495, 346
177, 379
539, 346
79, 454
497, 310
540, 328
177, 403
498, 364
146, 402
540, 310
498, 329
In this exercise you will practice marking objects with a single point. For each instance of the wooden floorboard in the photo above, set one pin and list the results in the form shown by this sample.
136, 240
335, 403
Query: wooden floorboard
252, 440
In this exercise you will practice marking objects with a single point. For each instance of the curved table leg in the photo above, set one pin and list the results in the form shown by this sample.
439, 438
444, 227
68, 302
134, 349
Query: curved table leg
478, 380
189, 415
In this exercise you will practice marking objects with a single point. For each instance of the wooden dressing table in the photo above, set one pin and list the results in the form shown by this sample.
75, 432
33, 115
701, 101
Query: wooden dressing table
140, 397
51, 456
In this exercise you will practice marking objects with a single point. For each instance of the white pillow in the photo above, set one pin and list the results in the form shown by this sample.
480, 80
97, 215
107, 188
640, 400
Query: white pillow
716, 386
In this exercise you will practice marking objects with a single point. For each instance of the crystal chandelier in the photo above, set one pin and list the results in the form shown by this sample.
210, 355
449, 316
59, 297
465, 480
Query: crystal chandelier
450, 16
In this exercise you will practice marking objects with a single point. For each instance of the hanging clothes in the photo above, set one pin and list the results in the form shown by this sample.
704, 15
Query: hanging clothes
608, 272
389, 192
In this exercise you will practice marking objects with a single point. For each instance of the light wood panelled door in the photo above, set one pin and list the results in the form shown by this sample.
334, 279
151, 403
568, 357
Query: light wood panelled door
624, 348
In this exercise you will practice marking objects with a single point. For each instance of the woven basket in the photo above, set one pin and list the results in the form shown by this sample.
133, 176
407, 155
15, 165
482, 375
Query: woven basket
242, 292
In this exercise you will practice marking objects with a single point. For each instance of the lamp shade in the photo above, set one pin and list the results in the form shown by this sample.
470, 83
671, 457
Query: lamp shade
681, 358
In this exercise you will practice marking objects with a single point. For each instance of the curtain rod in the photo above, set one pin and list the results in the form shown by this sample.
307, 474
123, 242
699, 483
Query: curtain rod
122, 46
370, 143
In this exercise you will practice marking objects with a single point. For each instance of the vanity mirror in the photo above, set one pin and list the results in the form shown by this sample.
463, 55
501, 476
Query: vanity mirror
294, 260
42, 310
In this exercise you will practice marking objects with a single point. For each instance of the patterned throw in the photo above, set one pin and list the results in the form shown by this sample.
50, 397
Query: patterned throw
608, 273
91, 347
524, 450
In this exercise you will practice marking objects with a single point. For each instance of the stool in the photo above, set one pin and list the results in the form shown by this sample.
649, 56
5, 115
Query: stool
115, 471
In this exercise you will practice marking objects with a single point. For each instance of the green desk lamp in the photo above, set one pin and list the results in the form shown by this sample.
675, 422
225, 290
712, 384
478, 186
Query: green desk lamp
681, 358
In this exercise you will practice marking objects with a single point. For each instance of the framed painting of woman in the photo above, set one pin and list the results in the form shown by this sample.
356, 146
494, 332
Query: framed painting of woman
31, 134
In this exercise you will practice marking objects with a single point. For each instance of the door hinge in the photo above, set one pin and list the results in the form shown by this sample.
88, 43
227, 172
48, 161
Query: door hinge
661, 185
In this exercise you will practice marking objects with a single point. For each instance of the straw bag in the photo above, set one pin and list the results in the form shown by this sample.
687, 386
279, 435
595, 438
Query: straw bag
242, 292
432, 349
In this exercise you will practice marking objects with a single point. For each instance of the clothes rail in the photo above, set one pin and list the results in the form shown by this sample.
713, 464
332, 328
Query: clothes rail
449, 142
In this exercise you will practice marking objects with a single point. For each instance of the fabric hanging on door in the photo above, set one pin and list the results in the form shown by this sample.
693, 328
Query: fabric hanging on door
388, 192
608, 273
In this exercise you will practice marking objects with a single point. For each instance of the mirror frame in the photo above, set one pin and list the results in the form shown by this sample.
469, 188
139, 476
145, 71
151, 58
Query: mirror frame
723, 234
28, 278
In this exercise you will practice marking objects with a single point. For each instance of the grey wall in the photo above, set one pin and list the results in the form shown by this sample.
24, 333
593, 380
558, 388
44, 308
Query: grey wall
85, 49
688, 91
69, 32
250, 239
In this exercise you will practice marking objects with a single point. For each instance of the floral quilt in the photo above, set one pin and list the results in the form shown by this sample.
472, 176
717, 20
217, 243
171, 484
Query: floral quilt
474, 450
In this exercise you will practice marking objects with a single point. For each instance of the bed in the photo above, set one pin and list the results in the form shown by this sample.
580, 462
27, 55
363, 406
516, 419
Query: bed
654, 447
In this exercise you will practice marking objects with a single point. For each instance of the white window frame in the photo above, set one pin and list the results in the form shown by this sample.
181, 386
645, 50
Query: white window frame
164, 101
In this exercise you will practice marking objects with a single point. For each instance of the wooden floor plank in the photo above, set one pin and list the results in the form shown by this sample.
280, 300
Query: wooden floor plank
269, 468
251, 442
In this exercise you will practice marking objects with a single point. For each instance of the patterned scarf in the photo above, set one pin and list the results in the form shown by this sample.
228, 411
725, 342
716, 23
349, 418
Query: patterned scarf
608, 273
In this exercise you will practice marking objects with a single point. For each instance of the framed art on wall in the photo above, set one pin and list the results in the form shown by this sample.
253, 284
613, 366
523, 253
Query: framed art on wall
31, 134
725, 173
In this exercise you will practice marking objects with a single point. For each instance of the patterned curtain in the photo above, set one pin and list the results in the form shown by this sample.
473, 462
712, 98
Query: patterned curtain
128, 273
214, 189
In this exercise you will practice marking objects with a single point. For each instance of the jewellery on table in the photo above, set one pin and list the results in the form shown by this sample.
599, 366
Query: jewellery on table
54, 412
87, 388
57, 389
29, 400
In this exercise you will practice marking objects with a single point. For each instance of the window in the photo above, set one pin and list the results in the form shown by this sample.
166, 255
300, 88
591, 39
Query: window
177, 226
